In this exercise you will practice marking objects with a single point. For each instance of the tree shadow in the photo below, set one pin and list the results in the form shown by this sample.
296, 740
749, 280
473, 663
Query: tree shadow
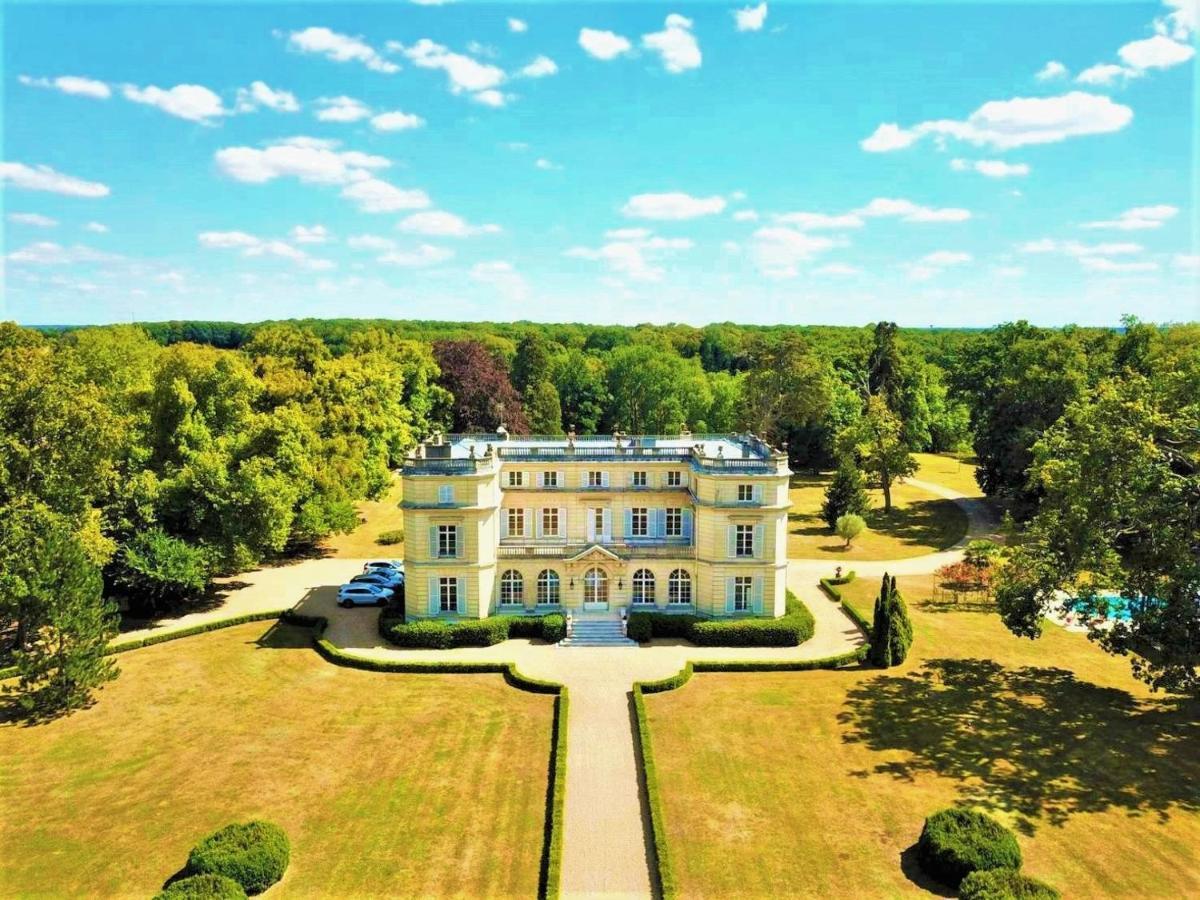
1034, 741
976, 603
912, 870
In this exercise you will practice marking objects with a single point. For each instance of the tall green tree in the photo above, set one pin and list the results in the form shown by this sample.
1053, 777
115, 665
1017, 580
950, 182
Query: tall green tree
847, 493
788, 387
655, 392
877, 442
891, 631
532, 362
542, 409
582, 386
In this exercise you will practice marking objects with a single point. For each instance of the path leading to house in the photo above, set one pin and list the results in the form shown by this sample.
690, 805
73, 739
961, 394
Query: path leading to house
606, 840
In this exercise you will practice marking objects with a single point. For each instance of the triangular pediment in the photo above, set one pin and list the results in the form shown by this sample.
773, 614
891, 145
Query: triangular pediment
595, 551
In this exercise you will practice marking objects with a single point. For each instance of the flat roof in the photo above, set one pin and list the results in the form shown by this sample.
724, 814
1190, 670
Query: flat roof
732, 446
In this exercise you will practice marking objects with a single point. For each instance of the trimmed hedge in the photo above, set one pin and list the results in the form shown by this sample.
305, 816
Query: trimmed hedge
387, 538
254, 854
830, 586
792, 629
202, 887
956, 842
435, 634
1004, 884
661, 869
556, 796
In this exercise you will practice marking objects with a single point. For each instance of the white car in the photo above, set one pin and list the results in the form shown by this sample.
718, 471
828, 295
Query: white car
363, 595
394, 565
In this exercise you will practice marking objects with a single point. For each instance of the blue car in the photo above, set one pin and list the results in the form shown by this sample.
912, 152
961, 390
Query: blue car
350, 595
380, 577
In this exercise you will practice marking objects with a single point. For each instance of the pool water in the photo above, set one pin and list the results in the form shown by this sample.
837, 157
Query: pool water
1118, 607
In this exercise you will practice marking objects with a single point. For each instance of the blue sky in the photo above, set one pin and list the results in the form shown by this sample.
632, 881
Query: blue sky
935, 164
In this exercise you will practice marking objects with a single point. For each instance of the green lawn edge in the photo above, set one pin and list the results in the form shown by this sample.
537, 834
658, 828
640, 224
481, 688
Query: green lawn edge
830, 587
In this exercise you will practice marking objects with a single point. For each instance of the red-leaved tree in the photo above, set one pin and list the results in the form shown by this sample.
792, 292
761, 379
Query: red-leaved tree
484, 397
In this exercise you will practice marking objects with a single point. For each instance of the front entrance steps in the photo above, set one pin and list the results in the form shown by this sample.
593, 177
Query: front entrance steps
596, 633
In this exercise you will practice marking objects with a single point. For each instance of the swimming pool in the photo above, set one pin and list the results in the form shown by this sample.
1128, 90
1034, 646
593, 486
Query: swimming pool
1117, 606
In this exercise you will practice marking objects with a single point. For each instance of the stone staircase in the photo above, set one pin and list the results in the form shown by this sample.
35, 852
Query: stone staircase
597, 633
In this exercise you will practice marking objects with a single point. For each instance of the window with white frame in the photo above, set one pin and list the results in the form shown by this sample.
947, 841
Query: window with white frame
516, 521
448, 594
550, 479
743, 588
550, 522
547, 588
639, 479
598, 523
446, 493
595, 479
679, 587
745, 493
674, 478
639, 522
743, 544
674, 520
643, 586
512, 588
516, 479
447, 544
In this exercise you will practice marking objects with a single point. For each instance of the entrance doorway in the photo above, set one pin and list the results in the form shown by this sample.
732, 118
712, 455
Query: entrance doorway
595, 590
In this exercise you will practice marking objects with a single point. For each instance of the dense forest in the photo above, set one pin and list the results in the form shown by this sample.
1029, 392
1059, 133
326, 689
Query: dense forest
140, 461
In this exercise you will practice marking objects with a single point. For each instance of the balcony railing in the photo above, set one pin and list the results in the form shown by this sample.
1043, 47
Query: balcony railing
635, 550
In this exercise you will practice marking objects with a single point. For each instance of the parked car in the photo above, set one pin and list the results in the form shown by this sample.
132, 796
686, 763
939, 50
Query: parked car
363, 595
395, 565
381, 577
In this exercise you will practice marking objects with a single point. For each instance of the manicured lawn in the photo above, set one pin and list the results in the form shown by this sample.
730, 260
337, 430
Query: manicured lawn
815, 784
387, 785
949, 471
919, 523
376, 517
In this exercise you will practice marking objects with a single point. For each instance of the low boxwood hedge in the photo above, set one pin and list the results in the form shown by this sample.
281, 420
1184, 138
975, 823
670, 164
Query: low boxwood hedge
956, 842
202, 887
254, 854
792, 629
435, 634
1004, 884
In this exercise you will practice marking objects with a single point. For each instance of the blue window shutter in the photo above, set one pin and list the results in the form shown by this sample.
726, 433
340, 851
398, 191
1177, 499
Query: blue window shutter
607, 530
604, 479
540, 480
462, 596
731, 541
660, 523
628, 523
503, 523
728, 595
529, 512
538, 530
758, 493
562, 522
433, 547
562, 479
458, 540
434, 598
687, 524
759, 548
757, 590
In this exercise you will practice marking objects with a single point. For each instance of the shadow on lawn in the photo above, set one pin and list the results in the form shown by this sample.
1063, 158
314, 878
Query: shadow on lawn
934, 523
1034, 741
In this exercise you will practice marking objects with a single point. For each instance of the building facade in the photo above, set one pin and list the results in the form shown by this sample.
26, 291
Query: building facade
592, 524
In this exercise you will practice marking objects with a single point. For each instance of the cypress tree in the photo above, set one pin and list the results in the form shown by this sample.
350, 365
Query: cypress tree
881, 628
847, 493
900, 629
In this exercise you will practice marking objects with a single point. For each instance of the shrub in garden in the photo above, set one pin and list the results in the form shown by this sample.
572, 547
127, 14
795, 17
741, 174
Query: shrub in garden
395, 536
891, 631
439, 635
847, 493
849, 527
956, 842
202, 887
793, 628
1004, 884
254, 854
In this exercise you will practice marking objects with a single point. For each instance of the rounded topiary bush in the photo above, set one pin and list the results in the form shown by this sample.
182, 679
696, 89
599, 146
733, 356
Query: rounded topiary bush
203, 887
956, 842
1004, 884
254, 854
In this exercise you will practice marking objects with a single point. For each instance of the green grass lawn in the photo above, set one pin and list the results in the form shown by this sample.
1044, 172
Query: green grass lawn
375, 517
816, 784
387, 785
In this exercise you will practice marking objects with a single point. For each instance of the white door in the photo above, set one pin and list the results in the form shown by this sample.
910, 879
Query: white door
595, 591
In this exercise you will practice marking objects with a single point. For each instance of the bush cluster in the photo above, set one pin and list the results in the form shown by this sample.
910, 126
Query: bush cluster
254, 854
395, 536
793, 628
202, 887
1004, 884
956, 842
892, 631
439, 635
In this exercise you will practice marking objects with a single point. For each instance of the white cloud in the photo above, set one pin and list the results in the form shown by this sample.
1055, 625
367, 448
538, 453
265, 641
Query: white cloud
547, 165
675, 44
1100, 264
369, 242
1158, 52
778, 251
751, 18
70, 84
1052, 69
501, 275
310, 160
44, 178
306, 234
540, 68
339, 48
992, 168
1009, 271
1139, 218
603, 44
37, 220
463, 73
907, 211
1188, 262
517, 26
376, 196
491, 98
1092, 256
424, 255
1182, 22
396, 121
945, 258
439, 223
632, 252
627, 234
254, 246
342, 109
1018, 122
745, 215
48, 253
673, 205
96, 228
812, 221
192, 102
261, 94
1104, 74
836, 269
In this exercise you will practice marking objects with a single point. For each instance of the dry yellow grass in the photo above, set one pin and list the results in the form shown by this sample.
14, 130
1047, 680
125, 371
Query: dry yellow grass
387, 785
375, 517
957, 472
816, 784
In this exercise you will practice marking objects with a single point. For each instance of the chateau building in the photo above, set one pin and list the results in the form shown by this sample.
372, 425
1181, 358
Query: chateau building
502, 524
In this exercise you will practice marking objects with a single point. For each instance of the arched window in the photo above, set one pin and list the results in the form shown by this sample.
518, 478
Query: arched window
679, 587
512, 588
547, 588
643, 586
595, 586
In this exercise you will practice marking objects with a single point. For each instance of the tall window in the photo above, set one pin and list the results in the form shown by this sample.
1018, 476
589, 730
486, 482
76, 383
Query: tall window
674, 521
745, 493
516, 479
639, 520
595, 479
512, 588
742, 587
447, 540
448, 594
550, 521
643, 586
446, 493
547, 588
598, 523
516, 522
549, 479
639, 479
595, 586
744, 541
679, 587
674, 479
